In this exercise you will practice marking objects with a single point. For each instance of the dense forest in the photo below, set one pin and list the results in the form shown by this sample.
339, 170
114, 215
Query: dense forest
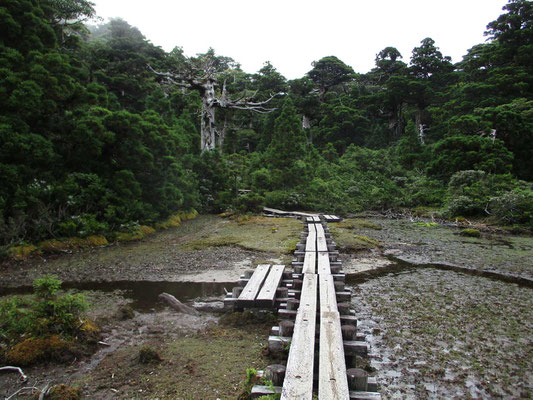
102, 132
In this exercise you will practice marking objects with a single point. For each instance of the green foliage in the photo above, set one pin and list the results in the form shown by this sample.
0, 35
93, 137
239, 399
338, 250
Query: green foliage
91, 142
48, 313
514, 207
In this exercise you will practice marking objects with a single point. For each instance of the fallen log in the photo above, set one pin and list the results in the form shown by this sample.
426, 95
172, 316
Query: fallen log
177, 305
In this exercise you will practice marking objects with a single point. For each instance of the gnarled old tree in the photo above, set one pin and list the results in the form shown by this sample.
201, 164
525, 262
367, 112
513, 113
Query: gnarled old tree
201, 74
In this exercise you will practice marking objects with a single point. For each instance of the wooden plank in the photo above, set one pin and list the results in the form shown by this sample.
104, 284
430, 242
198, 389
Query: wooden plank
321, 244
310, 244
365, 396
328, 299
253, 286
323, 263
267, 294
298, 383
309, 266
332, 380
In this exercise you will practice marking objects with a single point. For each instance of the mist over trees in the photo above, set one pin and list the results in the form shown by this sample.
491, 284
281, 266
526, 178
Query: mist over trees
94, 141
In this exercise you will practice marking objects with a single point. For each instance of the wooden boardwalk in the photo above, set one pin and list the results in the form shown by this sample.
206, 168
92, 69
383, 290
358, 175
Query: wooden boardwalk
317, 326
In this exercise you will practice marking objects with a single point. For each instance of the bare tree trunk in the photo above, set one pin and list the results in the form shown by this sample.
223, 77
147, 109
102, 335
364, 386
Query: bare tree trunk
208, 130
420, 126
222, 136
306, 124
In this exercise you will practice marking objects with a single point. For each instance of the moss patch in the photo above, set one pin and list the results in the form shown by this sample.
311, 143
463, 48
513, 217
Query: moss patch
256, 233
356, 223
21, 252
470, 233
348, 242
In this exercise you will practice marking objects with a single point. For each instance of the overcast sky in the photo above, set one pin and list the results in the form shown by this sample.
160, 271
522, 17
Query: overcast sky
293, 33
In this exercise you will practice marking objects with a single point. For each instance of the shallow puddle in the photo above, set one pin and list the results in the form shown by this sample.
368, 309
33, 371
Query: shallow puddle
445, 334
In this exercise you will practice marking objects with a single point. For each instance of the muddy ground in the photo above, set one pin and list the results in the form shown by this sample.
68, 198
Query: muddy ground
434, 334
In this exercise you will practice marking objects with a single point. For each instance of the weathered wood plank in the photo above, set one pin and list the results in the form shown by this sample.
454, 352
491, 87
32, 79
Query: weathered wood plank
323, 263
321, 243
310, 244
332, 380
281, 212
298, 382
253, 286
267, 294
365, 396
309, 266
328, 299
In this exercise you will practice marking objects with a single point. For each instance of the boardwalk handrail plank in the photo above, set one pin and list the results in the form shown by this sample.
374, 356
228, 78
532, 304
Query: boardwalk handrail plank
267, 294
249, 293
324, 266
332, 379
309, 266
298, 383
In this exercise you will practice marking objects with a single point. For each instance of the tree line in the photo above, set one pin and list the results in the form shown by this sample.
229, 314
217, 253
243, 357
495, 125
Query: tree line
101, 131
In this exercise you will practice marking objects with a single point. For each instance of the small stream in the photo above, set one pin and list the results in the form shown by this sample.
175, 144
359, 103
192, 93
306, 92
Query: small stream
143, 294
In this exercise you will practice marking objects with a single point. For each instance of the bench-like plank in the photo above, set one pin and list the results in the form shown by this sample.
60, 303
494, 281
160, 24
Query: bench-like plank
321, 244
309, 266
328, 299
323, 263
267, 294
332, 379
298, 383
250, 291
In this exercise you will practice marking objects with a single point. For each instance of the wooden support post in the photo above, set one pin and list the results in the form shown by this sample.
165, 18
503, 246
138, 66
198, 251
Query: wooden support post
292, 304
349, 332
236, 291
275, 373
357, 379
286, 328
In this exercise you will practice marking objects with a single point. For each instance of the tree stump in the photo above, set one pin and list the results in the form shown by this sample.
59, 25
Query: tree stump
276, 374
357, 379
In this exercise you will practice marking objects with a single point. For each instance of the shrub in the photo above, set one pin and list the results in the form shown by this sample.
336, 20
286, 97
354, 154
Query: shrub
463, 205
513, 207
46, 314
251, 202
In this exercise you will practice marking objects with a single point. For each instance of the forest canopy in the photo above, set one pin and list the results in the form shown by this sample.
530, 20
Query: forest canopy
101, 131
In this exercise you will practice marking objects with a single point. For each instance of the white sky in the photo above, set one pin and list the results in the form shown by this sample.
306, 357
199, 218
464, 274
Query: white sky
293, 33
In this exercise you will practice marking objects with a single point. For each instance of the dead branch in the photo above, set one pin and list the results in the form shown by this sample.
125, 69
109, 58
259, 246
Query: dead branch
23, 377
177, 305
32, 388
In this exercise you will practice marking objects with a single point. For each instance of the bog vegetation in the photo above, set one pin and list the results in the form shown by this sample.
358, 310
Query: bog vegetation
95, 143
